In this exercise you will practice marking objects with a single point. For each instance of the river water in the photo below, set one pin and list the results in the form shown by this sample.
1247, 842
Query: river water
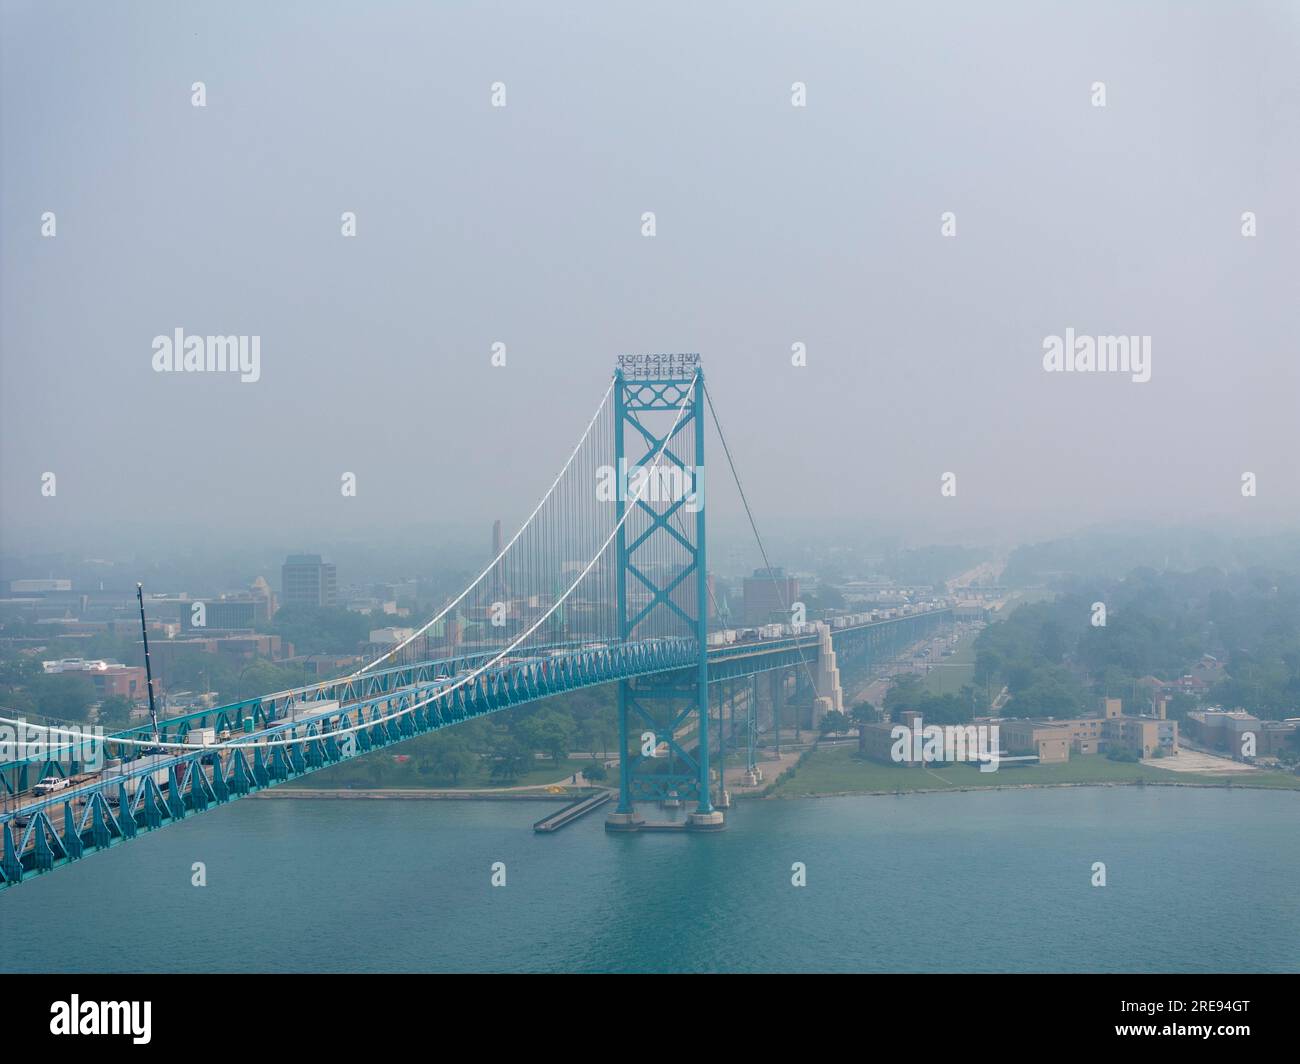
1196, 880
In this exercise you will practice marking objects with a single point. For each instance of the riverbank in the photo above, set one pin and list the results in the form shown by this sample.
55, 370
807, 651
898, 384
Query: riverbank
834, 771
837, 772
1236, 786
425, 794
790, 789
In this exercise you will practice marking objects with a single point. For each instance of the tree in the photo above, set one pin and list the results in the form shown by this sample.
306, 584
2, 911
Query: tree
115, 712
945, 709
608, 735
18, 703
591, 735
450, 761
596, 771
1051, 640
314, 630
864, 713
548, 731
829, 598
15, 672
988, 668
557, 737
509, 758
1051, 692
834, 723
906, 692
64, 695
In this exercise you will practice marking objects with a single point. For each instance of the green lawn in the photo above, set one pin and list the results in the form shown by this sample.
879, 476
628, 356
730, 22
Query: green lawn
404, 775
949, 673
838, 771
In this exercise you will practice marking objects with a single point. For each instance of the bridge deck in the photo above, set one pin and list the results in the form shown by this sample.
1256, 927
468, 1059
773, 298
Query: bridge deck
102, 809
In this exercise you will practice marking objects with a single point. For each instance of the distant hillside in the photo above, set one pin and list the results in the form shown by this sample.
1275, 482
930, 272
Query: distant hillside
1113, 553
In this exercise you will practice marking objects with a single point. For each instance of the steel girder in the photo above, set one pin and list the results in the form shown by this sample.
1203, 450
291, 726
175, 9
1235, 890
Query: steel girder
51, 832
99, 814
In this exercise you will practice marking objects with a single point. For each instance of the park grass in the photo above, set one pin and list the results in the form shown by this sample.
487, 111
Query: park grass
950, 673
838, 770
397, 775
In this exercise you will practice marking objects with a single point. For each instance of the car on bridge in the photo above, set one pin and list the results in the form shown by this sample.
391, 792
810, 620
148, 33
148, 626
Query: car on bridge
49, 785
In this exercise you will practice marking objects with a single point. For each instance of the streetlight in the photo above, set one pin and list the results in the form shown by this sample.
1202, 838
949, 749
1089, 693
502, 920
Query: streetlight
239, 683
313, 654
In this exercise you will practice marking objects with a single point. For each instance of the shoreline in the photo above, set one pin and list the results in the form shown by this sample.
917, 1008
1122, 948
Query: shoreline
418, 794
411, 794
1032, 787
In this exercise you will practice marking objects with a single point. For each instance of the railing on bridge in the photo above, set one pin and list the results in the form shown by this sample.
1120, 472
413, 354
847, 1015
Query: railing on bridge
98, 811
534, 623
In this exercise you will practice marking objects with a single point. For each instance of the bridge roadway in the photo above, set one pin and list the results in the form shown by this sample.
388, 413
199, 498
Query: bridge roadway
101, 809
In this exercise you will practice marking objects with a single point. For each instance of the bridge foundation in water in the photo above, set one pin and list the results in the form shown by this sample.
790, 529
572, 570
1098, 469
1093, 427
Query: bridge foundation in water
616, 821
628, 823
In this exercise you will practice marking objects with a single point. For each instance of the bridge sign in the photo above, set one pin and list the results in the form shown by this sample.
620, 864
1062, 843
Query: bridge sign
657, 367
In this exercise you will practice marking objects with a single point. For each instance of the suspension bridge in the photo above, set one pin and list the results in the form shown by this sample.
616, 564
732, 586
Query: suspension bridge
605, 581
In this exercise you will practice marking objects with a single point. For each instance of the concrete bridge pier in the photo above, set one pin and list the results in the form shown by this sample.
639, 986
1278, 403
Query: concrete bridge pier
829, 695
776, 692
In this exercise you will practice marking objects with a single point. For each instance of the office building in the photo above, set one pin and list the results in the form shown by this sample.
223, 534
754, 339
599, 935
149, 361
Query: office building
305, 580
769, 596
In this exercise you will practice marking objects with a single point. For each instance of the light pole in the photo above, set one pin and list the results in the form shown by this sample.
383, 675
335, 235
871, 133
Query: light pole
239, 683
314, 654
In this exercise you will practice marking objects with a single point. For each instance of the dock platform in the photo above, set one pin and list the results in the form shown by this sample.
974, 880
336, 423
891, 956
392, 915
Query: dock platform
573, 811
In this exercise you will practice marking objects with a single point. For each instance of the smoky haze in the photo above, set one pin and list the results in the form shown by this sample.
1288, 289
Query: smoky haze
775, 225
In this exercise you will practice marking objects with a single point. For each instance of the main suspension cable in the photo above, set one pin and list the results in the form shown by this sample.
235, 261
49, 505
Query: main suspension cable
443, 692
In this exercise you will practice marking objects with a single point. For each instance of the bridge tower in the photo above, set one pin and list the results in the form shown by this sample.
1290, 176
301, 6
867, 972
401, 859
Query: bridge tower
661, 580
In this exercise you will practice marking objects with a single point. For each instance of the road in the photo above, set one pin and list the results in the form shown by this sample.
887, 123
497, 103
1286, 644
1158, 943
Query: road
877, 686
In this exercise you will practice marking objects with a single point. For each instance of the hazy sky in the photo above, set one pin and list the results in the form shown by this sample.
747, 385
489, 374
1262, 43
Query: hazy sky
775, 225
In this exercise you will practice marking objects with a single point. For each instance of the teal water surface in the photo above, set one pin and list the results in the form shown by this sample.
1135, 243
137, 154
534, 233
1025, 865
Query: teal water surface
1197, 880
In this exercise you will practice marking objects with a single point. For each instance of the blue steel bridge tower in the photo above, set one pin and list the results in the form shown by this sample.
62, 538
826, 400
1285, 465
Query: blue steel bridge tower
662, 591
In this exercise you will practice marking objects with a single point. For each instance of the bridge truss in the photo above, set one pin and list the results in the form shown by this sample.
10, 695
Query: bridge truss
533, 624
